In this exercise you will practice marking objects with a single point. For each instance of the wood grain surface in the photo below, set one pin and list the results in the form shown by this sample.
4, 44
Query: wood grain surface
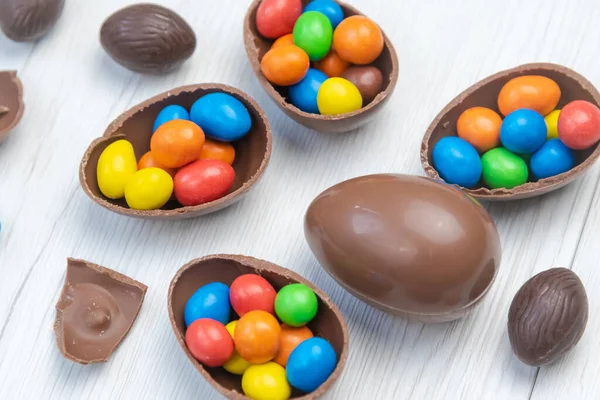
73, 90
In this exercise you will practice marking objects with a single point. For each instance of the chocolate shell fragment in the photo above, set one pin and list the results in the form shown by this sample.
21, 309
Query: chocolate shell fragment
29, 20
96, 309
11, 102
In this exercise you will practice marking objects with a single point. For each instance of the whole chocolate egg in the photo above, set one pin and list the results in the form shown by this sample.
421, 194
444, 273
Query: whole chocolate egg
408, 245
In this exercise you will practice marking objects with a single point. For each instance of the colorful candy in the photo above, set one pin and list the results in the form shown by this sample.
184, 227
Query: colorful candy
236, 364
329, 8
579, 125
148, 161
313, 33
332, 65
209, 342
149, 189
221, 116
256, 337
210, 301
284, 41
311, 364
215, 150
457, 161
534, 92
480, 126
338, 96
203, 181
169, 113
358, 40
367, 79
503, 169
290, 338
304, 94
115, 167
275, 18
266, 382
251, 292
523, 131
176, 143
296, 304
552, 124
285, 65
551, 159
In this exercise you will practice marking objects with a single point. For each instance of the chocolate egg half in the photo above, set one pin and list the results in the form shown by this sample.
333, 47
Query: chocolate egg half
408, 245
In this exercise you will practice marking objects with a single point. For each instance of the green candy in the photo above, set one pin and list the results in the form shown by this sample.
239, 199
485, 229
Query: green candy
503, 169
313, 33
296, 304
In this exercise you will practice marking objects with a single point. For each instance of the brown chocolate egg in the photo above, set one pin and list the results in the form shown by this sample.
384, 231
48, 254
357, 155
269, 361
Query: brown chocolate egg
408, 245
29, 20
367, 79
11, 102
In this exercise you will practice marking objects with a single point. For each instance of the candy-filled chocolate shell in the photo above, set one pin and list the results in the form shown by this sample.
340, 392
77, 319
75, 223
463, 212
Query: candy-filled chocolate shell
96, 310
547, 316
485, 94
328, 323
147, 38
29, 20
407, 245
11, 102
252, 151
387, 63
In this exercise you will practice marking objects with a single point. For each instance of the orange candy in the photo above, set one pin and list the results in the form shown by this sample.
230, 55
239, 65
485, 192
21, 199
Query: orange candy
332, 65
285, 65
290, 338
148, 161
215, 150
177, 143
480, 126
535, 92
358, 40
284, 40
256, 337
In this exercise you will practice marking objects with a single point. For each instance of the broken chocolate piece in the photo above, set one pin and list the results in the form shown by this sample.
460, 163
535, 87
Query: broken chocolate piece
11, 102
96, 309
3, 110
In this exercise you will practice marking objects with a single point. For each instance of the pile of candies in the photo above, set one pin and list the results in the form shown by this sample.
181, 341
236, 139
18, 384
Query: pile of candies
320, 34
534, 141
271, 357
190, 155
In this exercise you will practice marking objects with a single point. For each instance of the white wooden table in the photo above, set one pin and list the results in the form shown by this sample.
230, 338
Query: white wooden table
73, 90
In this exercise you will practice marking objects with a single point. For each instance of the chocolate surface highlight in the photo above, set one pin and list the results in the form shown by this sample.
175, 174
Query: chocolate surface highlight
11, 102
29, 20
328, 323
96, 310
485, 94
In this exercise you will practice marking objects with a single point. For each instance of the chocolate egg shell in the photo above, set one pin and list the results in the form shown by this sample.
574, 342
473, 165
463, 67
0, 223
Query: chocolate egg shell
147, 38
257, 46
328, 323
485, 94
253, 151
11, 102
548, 316
407, 245
28, 20
367, 79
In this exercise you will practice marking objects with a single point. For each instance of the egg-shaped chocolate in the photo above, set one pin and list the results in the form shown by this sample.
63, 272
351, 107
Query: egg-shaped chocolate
408, 245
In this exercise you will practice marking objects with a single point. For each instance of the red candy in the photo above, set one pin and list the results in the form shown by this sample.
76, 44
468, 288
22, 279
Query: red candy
275, 18
579, 125
209, 342
203, 181
252, 292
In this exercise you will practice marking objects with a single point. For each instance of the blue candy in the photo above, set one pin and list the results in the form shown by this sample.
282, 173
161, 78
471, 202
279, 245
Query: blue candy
330, 8
457, 161
551, 159
523, 131
210, 301
170, 113
304, 93
310, 364
221, 117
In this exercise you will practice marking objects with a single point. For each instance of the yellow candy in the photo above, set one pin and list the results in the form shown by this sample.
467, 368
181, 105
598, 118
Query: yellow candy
149, 189
551, 123
236, 364
266, 382
338, 96
116, 166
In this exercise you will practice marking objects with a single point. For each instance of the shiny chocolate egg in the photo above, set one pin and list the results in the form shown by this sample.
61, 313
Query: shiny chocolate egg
408, 245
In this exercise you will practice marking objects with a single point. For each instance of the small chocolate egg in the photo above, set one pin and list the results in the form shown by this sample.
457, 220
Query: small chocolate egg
29, 20
368, 80
408, 245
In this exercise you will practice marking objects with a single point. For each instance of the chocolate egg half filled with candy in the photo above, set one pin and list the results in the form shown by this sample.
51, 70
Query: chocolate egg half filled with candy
408, 245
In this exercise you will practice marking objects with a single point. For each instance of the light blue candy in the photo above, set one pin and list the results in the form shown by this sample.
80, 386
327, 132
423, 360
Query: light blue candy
457, 161
330, 8
210, 301
310, 364
523, 131
169, 113
551, 159
304, 94
221, 117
